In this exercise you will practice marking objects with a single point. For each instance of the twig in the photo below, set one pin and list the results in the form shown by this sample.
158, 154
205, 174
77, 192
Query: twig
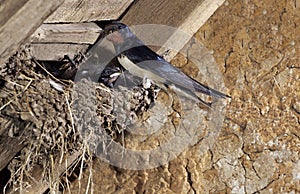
52, 76
14, 83
82, 163
70, 112
10, 101
89, 181
67, 180
102, 88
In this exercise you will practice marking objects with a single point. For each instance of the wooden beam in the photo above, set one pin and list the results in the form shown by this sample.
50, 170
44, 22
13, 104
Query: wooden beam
50, 42
38, 182
188, 16
167, 12
19, 19
79, 33
185, 16
200, 14
9, 146
56, 51
88, 10
69, 39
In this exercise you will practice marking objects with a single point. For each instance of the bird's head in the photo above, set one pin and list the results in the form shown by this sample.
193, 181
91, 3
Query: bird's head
117, 32
121, 36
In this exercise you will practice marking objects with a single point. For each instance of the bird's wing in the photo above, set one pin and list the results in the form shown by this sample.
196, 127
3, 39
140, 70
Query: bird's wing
146, 59
138, 54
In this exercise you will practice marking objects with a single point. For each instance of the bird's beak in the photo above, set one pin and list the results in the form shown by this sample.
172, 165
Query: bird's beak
115, 37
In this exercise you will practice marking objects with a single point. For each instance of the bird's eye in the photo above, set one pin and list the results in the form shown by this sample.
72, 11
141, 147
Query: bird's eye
110, 31
120, 27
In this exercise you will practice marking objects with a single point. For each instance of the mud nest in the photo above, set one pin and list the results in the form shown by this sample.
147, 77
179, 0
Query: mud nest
44, 113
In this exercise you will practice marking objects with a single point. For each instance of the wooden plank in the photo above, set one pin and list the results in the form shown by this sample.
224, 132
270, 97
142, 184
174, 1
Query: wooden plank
81, 33
38, 183
167, 12
200, 14
88, 10
189, 19
8, 148
187, 16
57, 51
26, 15
50, 42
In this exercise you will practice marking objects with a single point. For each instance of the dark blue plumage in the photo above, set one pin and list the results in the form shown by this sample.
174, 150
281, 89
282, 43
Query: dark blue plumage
141, 61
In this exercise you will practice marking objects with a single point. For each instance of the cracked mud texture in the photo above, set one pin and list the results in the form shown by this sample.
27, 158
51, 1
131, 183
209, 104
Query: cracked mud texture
256, 47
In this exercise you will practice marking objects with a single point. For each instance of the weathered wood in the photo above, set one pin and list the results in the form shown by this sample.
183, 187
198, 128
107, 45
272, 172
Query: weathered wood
200, 14
57, 51
168, 12
52, 41
18, 20
38, 183
8, 148
88, 10
187, 16
78, 34
81, 33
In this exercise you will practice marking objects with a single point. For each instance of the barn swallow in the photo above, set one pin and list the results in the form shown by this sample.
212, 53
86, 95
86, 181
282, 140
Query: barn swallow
111, 73
141, 61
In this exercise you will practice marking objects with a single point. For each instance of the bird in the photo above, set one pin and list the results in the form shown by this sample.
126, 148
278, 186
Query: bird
111, 73
141, 61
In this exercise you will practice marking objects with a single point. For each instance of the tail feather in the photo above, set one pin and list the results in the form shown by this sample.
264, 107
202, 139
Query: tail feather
208, 91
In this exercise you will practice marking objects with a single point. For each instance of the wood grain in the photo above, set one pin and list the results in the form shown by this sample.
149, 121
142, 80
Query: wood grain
19, 19
188, 16
88, 10
8, 148
50, 42
75, 37
79, 33
168, 12
56, 51
37, 181
192, 24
